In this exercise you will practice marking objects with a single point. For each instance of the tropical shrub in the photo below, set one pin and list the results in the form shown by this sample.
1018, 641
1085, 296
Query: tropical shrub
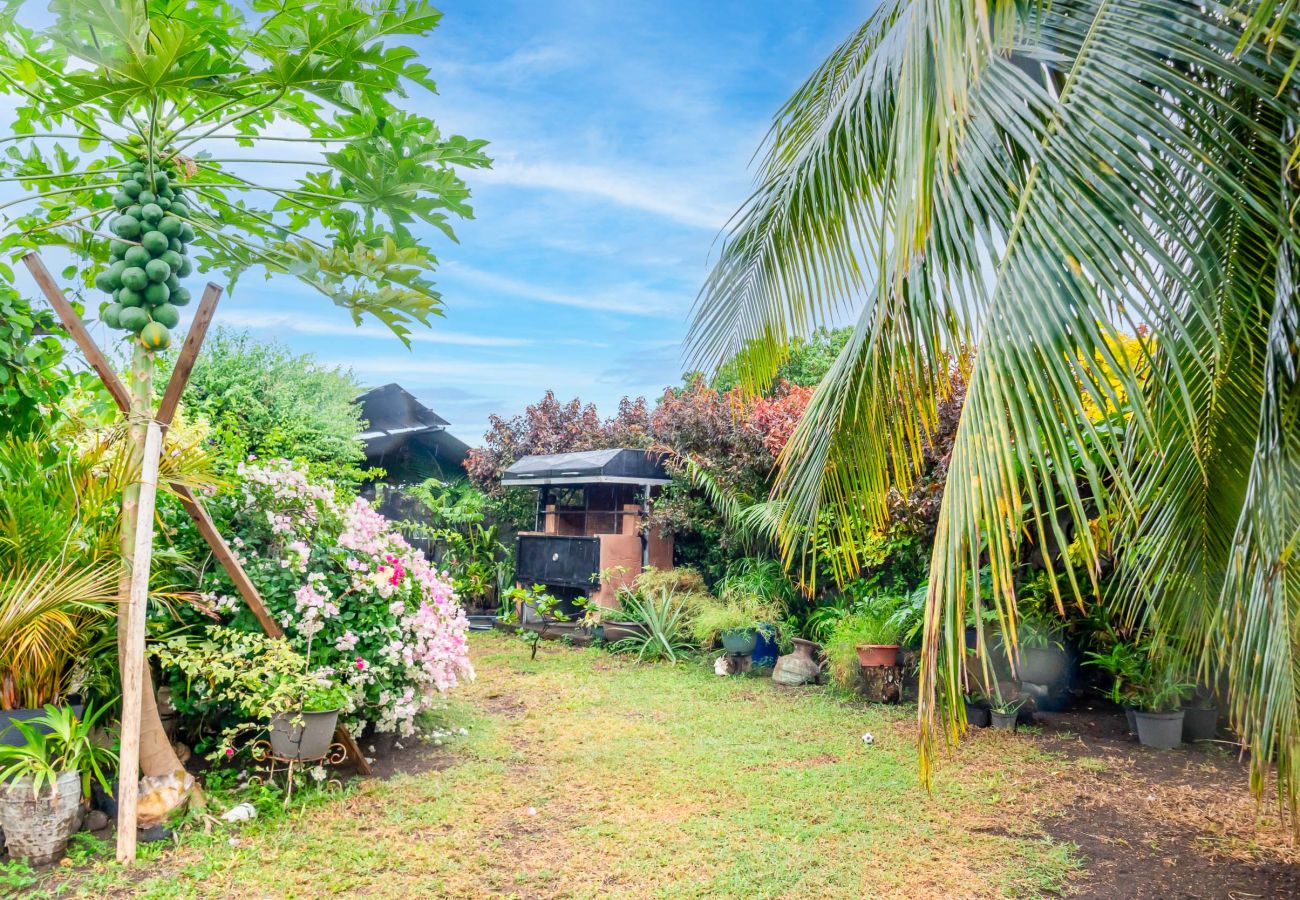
381, 621
54, 742
260, 399
665, 617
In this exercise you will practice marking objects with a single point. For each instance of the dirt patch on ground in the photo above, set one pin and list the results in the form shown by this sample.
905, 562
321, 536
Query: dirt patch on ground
1169, 824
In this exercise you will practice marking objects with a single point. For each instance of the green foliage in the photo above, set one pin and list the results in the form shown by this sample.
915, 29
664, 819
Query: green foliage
256, 675
947, 172
261, 399
33, 378
55, 742
102, 86
665, 615
735, 609
872, 624
806, 362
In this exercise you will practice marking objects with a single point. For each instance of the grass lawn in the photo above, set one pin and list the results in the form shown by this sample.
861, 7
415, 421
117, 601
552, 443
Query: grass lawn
585, 775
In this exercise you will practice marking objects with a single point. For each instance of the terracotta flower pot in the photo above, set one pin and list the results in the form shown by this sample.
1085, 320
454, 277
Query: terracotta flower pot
875, 655
37, 826
305, 740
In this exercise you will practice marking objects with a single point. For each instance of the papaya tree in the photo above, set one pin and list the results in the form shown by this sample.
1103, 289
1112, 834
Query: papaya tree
154, 140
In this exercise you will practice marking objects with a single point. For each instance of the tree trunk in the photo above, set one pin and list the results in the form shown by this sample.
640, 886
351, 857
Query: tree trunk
156, 754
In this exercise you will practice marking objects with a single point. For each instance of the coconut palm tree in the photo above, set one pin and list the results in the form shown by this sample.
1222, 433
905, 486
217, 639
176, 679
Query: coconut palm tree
1009, 193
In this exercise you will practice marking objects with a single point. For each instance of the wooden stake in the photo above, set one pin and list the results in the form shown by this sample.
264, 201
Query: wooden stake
132, 661
189, 353
167, 410
77, 331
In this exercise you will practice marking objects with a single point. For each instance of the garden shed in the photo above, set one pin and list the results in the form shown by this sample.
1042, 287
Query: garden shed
591, 512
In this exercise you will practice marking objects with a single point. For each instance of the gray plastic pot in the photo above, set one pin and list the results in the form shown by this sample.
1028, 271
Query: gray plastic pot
1163, 730
307, 739
1200, 723
37, 827
740, 642
1005, 721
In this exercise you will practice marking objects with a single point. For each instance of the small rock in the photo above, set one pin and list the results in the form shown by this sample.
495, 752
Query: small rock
153, 834
240, 813
868, 739
531, 811
234, 842
182, 752
95, 820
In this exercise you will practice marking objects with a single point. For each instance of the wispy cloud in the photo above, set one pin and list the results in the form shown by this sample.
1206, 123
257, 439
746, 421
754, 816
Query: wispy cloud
301, 325
628, 298
660, 195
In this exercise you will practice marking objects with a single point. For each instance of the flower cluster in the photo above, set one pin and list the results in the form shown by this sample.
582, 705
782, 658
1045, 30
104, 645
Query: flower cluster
349, 589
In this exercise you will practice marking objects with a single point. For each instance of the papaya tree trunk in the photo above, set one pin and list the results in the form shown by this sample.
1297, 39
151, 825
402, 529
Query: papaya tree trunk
157, 757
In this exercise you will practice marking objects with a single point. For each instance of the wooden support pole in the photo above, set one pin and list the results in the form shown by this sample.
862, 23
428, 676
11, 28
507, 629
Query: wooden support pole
77, 331
166, 412
132, 662
189, 353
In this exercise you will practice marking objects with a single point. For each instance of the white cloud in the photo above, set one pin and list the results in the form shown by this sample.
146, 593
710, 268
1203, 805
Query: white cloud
633, 299
298, 324
659, 195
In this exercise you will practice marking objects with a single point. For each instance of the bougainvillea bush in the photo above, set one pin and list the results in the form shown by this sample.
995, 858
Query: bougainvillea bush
349, 591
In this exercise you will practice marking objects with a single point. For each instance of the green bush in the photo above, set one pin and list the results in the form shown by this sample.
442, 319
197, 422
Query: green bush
260, 399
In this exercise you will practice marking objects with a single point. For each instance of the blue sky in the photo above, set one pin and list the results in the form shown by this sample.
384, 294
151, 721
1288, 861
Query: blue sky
622, 134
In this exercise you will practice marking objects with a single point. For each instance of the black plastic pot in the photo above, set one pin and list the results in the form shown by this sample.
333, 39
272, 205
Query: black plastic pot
617, 631
1200, 723
978, 716
12, 736
1004, 721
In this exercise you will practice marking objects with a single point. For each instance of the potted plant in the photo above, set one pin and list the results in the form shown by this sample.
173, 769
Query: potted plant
305, 728
43, 781
978, 713
1160, 716
877, 639
268, 682
1126, 663
1005, 714
736, 618
1200, 717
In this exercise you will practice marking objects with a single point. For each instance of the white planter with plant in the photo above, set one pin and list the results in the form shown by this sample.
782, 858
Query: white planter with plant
43, 781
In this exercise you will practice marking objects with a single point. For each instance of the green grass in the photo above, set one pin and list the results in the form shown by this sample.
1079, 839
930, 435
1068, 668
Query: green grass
585, 775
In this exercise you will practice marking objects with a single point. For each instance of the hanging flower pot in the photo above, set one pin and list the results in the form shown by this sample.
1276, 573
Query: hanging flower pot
303, 735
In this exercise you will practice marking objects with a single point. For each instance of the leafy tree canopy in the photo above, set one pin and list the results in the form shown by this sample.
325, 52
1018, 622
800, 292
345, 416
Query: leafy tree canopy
807, 361
32, 377
188, 84
260, 399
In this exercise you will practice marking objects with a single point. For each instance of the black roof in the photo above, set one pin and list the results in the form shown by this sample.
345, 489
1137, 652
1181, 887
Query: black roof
396, 420
614, 466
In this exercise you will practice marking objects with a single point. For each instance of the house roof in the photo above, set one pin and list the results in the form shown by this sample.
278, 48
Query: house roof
396, 418
613, 466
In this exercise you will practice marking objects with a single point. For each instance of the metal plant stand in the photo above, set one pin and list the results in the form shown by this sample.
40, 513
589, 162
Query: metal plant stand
277, 765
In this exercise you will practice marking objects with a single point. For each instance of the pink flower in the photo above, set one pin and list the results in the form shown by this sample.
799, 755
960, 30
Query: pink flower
230, 751
361, 664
